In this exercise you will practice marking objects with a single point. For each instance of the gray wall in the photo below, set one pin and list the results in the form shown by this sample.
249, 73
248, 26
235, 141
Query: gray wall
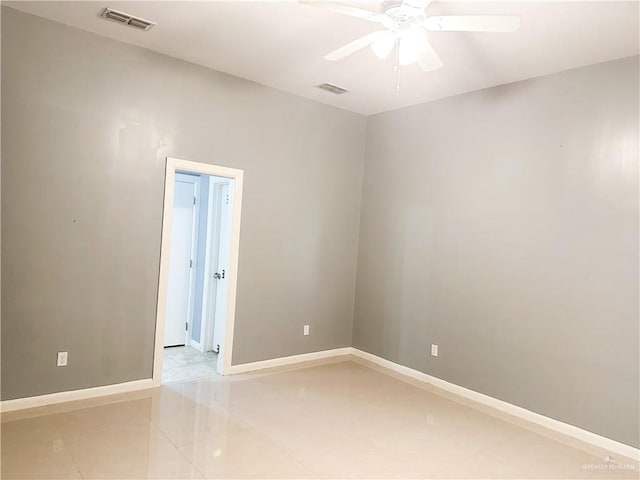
502, 225
86, 125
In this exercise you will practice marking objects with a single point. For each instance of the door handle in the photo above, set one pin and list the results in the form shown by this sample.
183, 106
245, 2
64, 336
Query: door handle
219, 276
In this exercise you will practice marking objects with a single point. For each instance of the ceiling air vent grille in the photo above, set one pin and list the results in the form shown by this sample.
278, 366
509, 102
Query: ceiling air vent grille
126, 19
330, 87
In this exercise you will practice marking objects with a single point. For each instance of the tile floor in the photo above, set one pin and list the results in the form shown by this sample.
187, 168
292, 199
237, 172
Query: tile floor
337, 419
186, 363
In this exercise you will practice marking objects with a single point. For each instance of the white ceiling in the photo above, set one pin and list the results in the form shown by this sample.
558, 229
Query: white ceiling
281, 44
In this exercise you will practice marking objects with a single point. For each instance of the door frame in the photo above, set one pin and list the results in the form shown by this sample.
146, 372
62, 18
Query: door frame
210, 237
236, 176
212, 259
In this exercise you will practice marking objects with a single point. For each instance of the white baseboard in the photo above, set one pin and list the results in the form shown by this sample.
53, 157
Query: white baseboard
86, 393
500, 405
514, 410
72, 395
278, 362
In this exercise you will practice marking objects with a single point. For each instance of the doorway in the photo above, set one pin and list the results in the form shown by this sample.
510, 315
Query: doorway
198, 271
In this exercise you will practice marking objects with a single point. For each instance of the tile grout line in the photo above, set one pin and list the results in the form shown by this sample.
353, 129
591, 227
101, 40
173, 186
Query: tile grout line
64, 439
178, 449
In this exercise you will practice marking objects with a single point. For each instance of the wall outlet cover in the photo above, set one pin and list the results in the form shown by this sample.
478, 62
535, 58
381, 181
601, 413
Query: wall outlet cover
62, 359
434, 350
306, 330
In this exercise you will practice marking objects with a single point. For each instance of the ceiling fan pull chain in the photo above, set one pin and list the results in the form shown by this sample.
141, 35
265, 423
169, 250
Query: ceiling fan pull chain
396, 53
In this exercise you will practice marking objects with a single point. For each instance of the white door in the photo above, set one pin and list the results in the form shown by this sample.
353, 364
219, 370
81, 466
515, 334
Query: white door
220, 276
180, 262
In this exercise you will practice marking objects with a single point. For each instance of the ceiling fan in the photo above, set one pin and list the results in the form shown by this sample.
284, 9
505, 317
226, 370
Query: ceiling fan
406, 25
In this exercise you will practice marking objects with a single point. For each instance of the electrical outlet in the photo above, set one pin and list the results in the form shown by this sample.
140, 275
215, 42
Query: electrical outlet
62, 359
306, 330
434, 350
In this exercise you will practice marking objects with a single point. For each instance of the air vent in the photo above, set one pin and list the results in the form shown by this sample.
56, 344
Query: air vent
330, 87
126, 19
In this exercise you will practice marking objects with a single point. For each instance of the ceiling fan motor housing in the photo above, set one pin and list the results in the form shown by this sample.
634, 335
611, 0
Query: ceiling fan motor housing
401, 15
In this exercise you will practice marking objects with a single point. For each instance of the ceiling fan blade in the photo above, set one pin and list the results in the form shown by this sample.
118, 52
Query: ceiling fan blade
352, 47
345, 10
473, 23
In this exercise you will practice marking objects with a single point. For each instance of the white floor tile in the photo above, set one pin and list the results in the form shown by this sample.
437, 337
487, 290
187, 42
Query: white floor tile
334, 420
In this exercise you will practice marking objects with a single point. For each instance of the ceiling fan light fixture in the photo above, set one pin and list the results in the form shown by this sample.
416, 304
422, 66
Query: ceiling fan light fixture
412, 42
383, 46
408, 54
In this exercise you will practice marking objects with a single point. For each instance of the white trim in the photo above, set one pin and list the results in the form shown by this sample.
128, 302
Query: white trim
224, 367
550, 423
212, 251
290, 360
173, 164
72, 395
225, 198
